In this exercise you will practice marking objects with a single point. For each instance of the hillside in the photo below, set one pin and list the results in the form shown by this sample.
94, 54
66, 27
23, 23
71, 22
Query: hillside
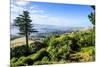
67, 48
19, 42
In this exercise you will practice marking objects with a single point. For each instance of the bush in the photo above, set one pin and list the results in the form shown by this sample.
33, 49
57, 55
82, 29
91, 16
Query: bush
22, 61
20, 51
41, 63
18, 62
25, 50
45, 59
63, 53
34, 47
28, 61
13, 60
87, 38
40, 54
74, 46
38, 63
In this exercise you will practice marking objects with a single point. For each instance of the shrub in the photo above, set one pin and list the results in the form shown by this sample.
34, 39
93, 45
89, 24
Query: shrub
58, 47
13, 60
28, 61
25, 50
40, 54
63, 53
34, 47
53, 52
38, 63
20, 51
41, 63
18, 62
45, 59
87, 38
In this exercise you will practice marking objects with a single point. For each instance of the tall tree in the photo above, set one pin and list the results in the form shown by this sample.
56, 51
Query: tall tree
23, 22
91, 16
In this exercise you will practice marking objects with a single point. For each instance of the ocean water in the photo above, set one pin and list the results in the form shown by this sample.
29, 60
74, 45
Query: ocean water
39, 28
14, 30
46, 29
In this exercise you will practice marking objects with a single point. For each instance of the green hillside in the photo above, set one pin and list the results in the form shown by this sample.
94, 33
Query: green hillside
66, 48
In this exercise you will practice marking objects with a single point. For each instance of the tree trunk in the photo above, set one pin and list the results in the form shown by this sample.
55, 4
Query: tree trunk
26, 39
27, 51
26, 33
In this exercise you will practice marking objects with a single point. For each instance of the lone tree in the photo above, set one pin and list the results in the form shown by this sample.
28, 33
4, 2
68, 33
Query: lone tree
23, 22
91, 16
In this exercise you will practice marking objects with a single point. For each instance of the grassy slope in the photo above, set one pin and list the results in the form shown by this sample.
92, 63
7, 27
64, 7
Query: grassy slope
19, 42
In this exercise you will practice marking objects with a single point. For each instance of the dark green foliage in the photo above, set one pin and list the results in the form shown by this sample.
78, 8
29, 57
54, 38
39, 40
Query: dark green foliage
23, 22
13, 60
58, 48
18, 62
20, 51
45, 60
74, 46
22, 61
34, 47
25, 51
46, 40
28, 61
40, 54
42, 63
93, 7
61, 47
63, 53
87, 38
91, 16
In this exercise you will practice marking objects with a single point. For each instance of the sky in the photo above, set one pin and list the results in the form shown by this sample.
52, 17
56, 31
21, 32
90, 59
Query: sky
53, 13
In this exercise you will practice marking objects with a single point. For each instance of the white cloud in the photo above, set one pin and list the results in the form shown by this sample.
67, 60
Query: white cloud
22, 3
49, 20
18, 7
15, 11
19, 2
35, 9
37, 14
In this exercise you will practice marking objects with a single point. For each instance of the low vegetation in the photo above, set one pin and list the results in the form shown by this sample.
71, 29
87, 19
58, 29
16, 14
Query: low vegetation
65, 48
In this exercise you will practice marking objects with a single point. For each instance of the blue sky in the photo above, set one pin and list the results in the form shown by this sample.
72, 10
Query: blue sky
53, 13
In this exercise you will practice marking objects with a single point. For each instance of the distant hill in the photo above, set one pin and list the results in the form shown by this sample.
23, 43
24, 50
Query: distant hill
45, 29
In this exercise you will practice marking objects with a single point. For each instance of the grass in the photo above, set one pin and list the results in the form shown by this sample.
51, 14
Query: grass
19, 42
